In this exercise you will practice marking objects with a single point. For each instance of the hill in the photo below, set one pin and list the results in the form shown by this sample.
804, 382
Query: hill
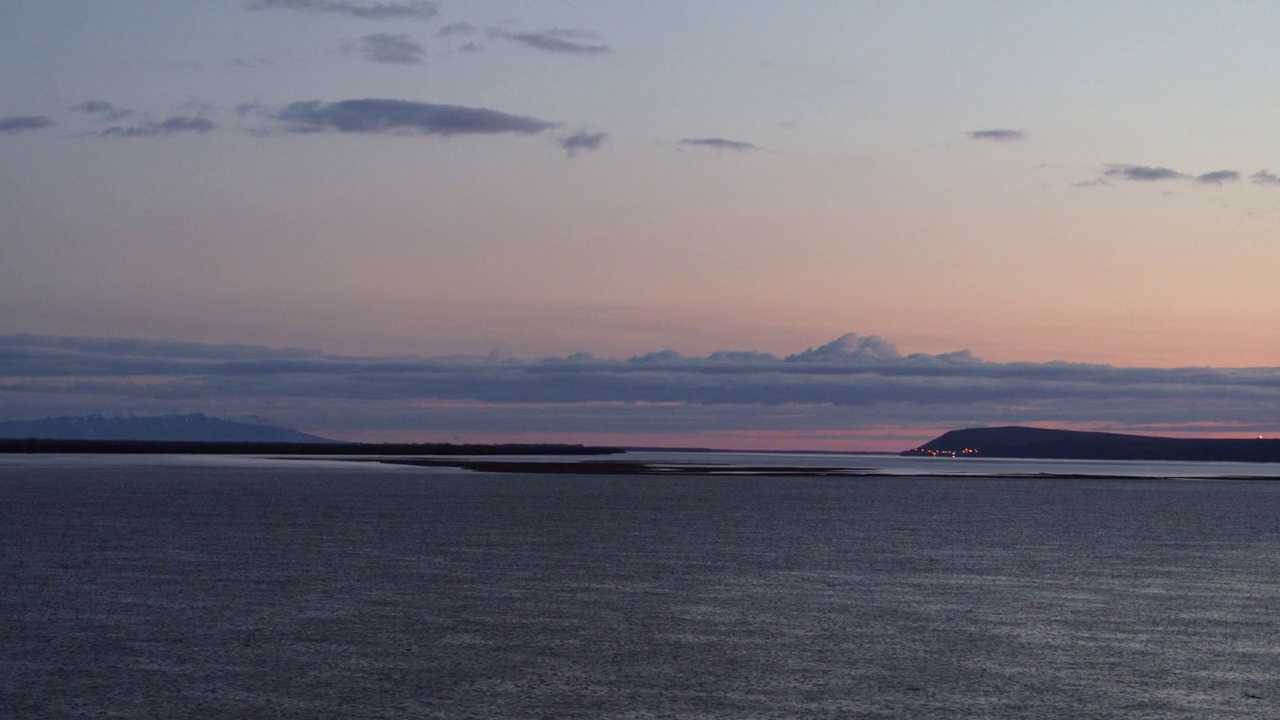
1029, 442
196, 427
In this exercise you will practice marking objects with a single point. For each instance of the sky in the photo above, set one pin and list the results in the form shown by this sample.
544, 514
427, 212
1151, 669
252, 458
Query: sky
803, 225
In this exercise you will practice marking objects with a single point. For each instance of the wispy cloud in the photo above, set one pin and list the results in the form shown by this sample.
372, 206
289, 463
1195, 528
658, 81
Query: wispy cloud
102, 109
251, 63
1143, 173
374, 116
1262, 177
24, 123
420, 9
998, 135
719, 144
582, 140
853, 382
1218, 177
457, 29
1096, 182
568, 42
172, 126
400, 49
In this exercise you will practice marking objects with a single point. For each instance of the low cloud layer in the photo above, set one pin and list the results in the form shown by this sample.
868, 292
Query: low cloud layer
854, 383
998, 135
374, 116
165, 128
420, 9
24, 123
398, 49
719, 144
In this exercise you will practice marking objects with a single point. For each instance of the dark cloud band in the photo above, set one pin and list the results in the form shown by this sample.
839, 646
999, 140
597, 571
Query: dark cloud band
854, 381
1143, 173
373, 116
420, 9
24, 123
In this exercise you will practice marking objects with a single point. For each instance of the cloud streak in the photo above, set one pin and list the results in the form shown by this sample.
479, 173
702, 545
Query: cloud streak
853, 382
1158, 174
389, 116
1218, 177
172, 126
998, 135
397, 49
102, 109
564, 42
24, 123
410, 9
1143, 173
719, 144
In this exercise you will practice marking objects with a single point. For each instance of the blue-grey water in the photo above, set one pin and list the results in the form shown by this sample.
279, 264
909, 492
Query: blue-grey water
154, 588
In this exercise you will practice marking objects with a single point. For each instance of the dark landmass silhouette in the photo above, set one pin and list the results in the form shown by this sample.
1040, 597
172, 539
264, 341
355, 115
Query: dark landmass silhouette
327, 448
1042, 443
200, 434
194, 427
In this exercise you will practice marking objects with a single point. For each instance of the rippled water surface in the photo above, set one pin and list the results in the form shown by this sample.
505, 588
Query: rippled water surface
144, 590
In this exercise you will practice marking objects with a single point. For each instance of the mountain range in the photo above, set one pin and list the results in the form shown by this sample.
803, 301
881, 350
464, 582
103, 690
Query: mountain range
195, 427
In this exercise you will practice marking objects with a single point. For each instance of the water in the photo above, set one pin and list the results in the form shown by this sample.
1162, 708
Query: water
221, 588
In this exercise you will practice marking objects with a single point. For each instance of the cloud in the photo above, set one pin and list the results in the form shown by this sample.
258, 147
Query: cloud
1218, 177
457, 29
420, 9
849, 348
1262, 177
854, 382
104, 110
1096, 182
562, 41
172, 126
998, 135
250, 63
582, 140
1142, 173
373, 116
386, 48
719, 144
24, 123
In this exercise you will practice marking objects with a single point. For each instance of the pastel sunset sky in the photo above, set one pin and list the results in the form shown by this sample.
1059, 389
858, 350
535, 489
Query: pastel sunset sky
836, 225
